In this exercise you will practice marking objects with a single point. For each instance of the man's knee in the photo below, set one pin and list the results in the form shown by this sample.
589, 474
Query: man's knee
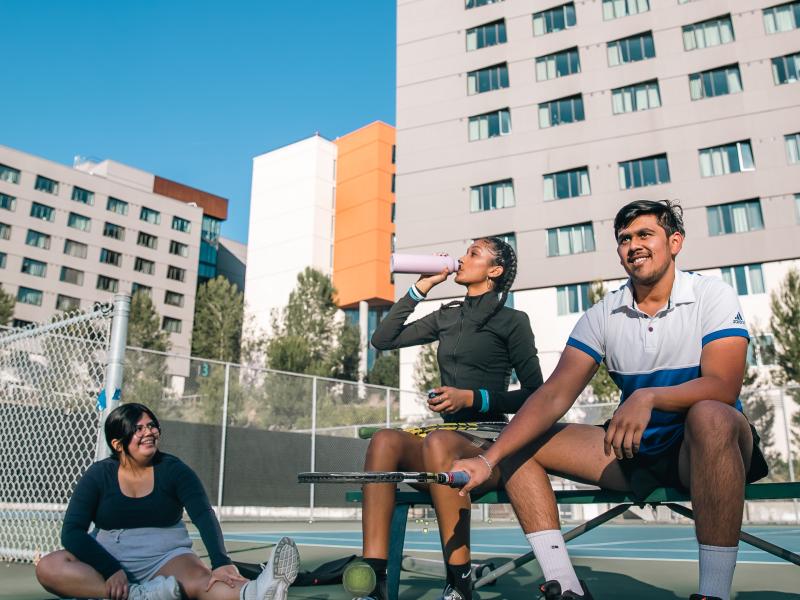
712, 422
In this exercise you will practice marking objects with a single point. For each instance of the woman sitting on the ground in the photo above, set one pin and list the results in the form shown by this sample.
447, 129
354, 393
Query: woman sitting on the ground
142, 549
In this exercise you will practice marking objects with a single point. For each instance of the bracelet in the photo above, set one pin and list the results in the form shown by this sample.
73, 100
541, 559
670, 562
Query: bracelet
488, 464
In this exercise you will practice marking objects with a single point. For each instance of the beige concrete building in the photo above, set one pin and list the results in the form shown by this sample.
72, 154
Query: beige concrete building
70, 237
539, 120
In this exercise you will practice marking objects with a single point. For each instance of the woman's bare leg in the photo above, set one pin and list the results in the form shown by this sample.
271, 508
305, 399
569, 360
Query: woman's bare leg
61, 573
194, 575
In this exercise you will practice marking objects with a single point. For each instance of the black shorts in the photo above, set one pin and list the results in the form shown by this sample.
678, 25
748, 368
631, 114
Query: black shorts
646, 472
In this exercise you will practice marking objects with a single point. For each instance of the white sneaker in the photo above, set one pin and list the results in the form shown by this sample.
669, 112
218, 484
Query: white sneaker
279, 572
158, 588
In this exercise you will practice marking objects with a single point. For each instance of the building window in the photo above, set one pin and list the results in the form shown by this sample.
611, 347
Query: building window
116, 205
9, 174
20, 323
631, 49
567, 184
394, 154
633, 98
36, 268
483, 36
180, 224
705, 34
173, 298
69, 275
786, 69
178, 248
2, 260
79, 222
734, 217
147, 240
792, 148
150, 216
554, 19
29, 296
394, 211
8, 202
83, 196
561, 111
37, 239
491, 196
110, 257
715, 82
573, 298
67, 303
797, 207
783, 17
76, 249
43, 212
5, 231
394, 182
138, 288
144, 266
508, 238
490, 125
171, 325
176, 273
614, 9
107, 284
559, 64
572, 239
114, 231
477, 3
45, 184
640, 172
488, 79
761, 351
745, 279
725, 159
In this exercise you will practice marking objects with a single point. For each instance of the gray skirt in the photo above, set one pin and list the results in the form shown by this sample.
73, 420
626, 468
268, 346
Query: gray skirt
144, 550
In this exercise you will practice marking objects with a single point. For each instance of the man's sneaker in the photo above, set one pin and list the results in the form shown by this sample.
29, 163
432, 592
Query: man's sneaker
279, 572
158, 588
701, 597
552, 591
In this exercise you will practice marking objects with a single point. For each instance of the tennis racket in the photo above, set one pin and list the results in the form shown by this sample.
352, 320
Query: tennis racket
488, 430
451, 478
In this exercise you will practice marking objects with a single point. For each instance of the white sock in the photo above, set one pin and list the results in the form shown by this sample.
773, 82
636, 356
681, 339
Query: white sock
551, 552
248, 591
716, 570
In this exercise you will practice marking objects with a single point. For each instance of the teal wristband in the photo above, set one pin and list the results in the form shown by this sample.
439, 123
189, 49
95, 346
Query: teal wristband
415, 293
484, 401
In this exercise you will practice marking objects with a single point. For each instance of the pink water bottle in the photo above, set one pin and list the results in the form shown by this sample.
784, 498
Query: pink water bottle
422, 263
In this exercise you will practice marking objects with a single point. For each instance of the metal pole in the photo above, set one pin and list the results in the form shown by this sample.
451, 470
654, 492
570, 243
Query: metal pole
222, 442
388, 408
114, 367
313, 446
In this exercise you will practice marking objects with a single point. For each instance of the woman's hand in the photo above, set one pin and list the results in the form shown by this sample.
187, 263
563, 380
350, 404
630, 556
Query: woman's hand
449, 399
227, 574
427, 281
117, 586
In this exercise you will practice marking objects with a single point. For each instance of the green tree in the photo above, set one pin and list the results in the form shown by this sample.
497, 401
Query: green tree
6, 306
145, 372
344, 356
218, 317
386, 370
426, 369
604, 390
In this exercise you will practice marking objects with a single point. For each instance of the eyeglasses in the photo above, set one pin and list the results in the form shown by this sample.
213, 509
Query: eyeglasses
149, 427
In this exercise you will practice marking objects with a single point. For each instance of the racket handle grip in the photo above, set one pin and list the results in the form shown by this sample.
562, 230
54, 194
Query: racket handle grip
457, 479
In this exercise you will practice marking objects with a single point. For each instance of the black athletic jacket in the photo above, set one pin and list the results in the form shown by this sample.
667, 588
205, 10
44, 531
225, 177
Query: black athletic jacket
468, 358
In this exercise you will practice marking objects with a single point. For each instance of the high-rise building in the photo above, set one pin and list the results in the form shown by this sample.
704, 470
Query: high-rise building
70, 237
538, 121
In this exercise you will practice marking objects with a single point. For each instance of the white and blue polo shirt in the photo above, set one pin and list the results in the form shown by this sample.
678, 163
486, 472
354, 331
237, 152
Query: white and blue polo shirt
642, 351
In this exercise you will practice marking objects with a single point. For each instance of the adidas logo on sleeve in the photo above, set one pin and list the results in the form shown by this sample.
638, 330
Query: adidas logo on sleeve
738, 319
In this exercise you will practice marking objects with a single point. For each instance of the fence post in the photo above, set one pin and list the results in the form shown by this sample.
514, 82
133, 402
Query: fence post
388, 408
114, 367
222, 442
313, 446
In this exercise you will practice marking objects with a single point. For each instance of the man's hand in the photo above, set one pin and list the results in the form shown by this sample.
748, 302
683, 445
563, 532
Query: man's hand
227, 574
477, 469
449, 399
117, 586
624, 433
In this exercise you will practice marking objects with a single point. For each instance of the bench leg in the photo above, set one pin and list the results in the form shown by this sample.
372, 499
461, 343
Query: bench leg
747, 538
570, 535
397, 536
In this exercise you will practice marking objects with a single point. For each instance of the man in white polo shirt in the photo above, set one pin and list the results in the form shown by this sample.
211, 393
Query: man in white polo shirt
675, 343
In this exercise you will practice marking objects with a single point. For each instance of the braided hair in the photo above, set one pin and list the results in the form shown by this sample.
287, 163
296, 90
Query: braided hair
504, 256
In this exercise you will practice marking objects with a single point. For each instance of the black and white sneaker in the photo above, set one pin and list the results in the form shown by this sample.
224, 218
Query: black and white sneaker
552, 591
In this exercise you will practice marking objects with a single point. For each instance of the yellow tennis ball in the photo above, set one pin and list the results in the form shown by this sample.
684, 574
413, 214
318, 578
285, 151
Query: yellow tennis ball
358, 578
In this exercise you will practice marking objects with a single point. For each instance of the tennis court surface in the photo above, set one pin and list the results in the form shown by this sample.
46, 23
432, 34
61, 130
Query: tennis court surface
619, 562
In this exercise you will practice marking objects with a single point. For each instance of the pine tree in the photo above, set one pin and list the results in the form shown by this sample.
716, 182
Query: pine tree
145, 372
218, 316
6, 307
386, 370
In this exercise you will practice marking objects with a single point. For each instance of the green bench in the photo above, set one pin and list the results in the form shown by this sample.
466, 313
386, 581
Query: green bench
623, 501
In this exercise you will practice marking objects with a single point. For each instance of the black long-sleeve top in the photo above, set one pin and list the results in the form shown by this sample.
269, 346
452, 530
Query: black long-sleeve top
98, 499
470, 358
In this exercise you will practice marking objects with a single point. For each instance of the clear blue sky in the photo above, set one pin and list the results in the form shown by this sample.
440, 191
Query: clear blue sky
192, 90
